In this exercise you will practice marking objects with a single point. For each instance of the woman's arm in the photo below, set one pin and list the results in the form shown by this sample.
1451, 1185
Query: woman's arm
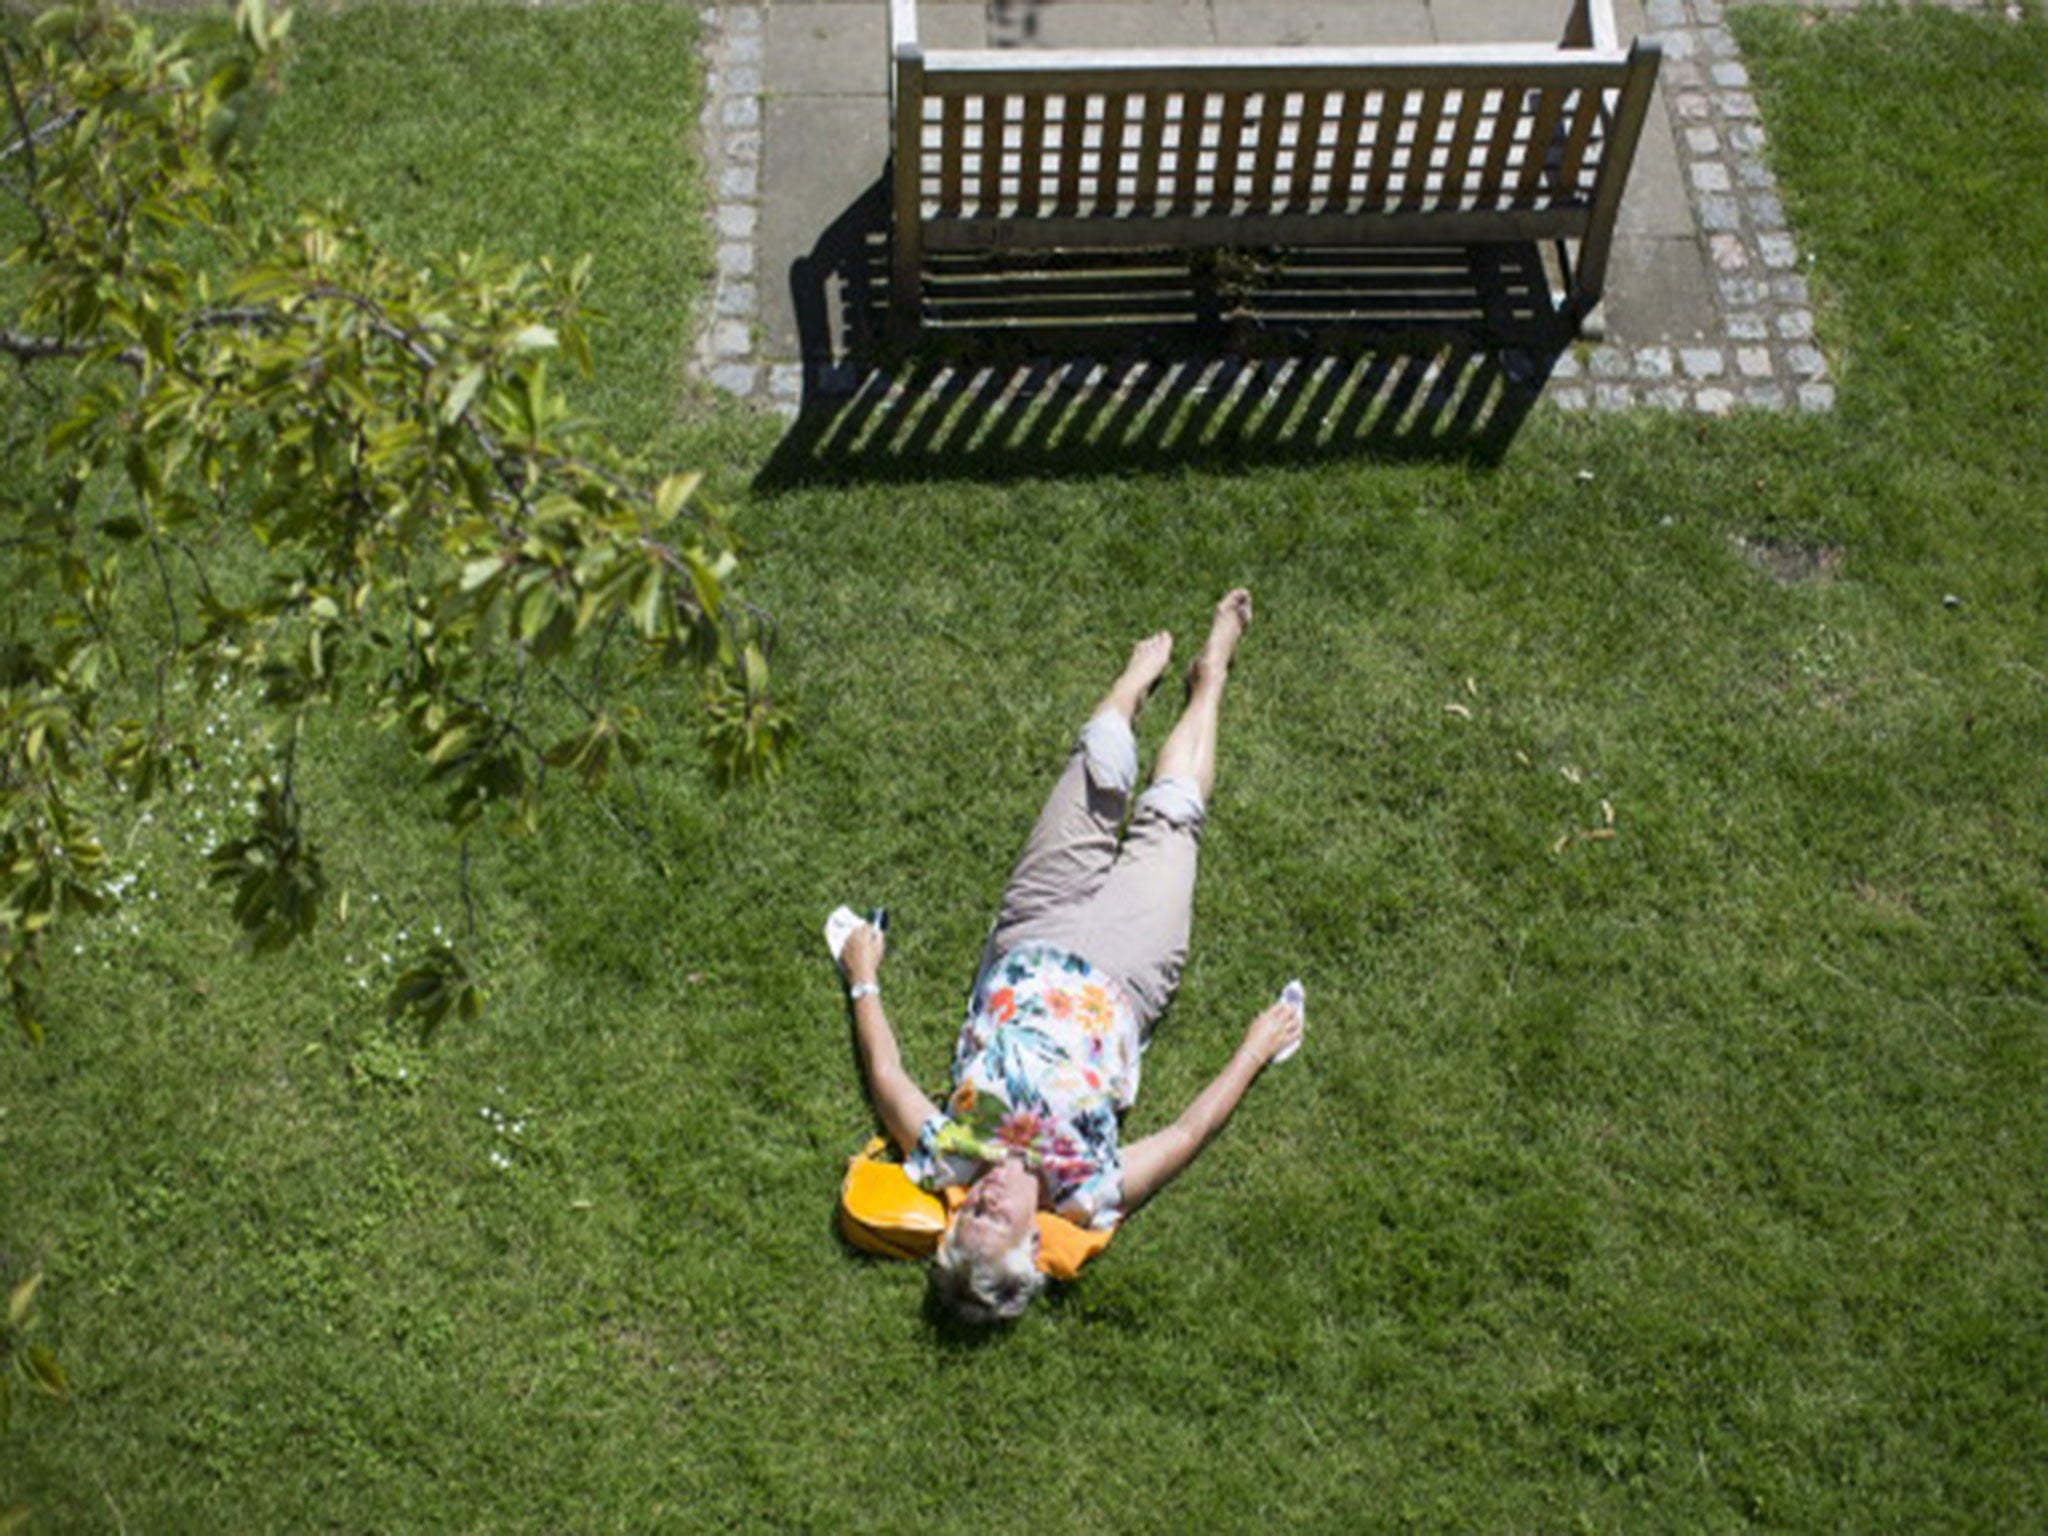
1154, 1162
900, 1102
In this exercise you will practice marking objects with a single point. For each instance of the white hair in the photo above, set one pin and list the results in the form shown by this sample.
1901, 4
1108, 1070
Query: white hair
983, 1289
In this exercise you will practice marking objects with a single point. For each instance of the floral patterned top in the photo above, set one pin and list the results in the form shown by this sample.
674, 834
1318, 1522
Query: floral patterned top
1047, 1058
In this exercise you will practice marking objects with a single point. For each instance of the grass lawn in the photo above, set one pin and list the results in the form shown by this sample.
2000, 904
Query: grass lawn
1689, 1178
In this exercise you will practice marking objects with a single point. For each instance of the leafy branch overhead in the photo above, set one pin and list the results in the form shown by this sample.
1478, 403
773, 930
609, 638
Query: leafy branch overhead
279, 460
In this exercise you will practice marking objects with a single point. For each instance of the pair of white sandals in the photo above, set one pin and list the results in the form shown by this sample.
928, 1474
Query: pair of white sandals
840, 925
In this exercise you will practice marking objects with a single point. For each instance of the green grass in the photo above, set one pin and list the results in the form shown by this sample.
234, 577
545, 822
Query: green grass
468, 126
1688, 1179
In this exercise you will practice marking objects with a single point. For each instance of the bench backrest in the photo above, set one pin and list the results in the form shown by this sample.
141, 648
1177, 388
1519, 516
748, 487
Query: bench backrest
1133, 139
1281, 145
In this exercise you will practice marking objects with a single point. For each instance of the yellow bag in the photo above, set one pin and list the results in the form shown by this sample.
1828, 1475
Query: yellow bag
883, 1212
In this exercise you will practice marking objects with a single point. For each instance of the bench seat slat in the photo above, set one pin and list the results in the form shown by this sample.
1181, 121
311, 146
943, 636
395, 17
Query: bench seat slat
1250, 230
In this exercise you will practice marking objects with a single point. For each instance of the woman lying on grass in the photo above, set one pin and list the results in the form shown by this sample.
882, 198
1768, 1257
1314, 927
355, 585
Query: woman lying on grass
1083, 960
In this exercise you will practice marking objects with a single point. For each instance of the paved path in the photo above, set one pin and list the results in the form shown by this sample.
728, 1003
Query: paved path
1708, 306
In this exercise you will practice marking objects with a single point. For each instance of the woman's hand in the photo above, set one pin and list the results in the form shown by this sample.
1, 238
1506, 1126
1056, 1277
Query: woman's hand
1273, 1032
861, 958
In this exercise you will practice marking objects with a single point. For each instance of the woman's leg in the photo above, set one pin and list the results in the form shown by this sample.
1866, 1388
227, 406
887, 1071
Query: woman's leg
1073, 847
1140, 918
1189, 751
1141, 674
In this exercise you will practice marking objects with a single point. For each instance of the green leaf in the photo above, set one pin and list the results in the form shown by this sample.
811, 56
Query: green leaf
647, 603
671, 496
466, 385
22, 1298
451, 742
44, 1370
438, 984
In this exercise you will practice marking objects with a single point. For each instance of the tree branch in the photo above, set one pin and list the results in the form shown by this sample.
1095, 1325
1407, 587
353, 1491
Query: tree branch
26, 144
26, 348
31, 347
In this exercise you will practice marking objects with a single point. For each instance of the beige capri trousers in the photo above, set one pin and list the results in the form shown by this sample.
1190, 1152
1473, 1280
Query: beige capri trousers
1124, 905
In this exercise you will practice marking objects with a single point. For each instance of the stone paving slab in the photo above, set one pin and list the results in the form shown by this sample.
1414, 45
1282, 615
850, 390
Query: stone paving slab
1103, 24
1708, 306
859, 138
1508, 21
1293, 25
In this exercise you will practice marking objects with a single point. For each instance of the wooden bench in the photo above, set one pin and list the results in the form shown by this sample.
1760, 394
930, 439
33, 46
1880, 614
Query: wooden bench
1252, 148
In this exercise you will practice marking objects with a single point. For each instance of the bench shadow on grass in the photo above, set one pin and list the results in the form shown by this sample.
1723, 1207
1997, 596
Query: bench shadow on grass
1061, 364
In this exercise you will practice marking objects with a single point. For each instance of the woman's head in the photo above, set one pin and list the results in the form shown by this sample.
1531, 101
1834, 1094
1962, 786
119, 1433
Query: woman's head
984, 1288
986, 1269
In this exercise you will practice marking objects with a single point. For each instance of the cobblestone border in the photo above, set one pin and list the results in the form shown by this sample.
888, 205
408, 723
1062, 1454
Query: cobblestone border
1768, 359
1766, 356
735, 46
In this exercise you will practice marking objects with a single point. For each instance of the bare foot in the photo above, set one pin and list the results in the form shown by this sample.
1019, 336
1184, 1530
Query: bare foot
1233, 618
1141, 674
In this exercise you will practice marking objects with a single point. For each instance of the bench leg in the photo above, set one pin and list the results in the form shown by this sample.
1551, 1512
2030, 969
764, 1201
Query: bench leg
906, 297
